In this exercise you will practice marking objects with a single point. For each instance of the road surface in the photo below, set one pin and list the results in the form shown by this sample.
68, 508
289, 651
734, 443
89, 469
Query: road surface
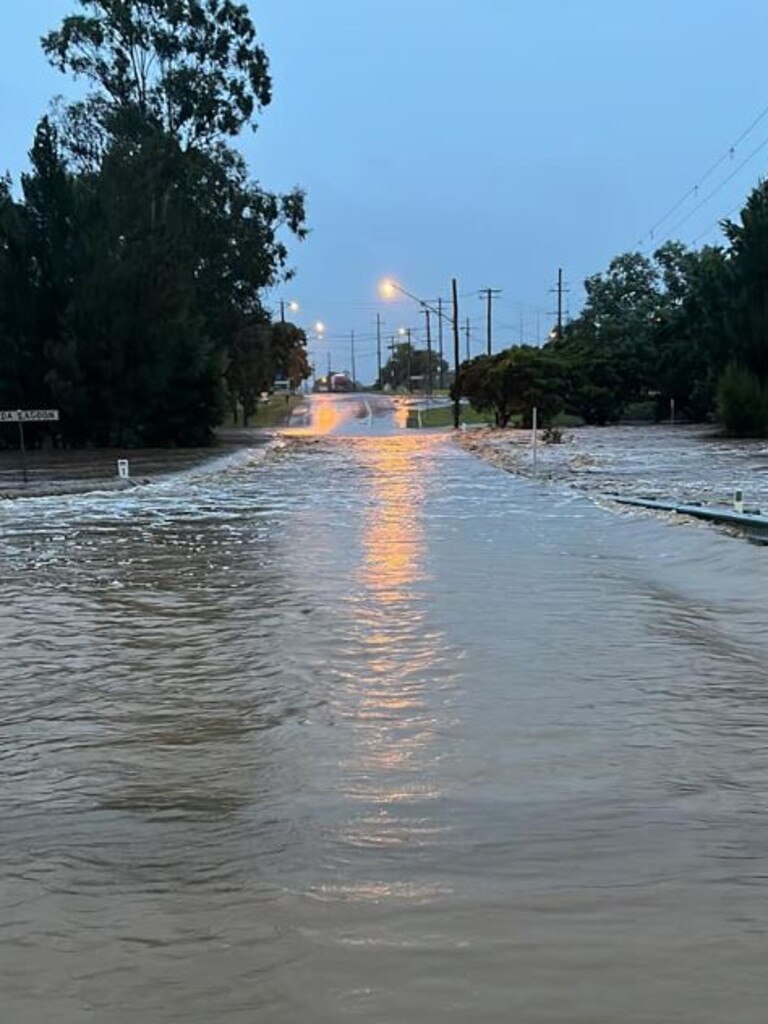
359, 728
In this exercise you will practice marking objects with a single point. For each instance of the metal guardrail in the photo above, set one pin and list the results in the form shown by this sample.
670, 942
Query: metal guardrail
752, 521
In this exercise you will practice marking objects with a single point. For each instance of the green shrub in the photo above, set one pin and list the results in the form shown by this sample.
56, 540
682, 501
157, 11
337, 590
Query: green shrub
742, 403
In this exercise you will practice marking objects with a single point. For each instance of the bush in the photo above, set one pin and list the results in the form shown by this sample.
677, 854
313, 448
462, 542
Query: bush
553, 435
742, 403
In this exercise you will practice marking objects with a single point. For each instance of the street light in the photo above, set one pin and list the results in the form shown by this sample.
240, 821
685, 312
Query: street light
293, 307
387, 289
319, 329
406, 332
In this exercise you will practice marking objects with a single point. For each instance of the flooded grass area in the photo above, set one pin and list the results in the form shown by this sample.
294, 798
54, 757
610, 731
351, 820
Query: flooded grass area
683, 463
56, 470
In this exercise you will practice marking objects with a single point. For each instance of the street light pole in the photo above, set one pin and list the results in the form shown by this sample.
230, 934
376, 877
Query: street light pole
440, 342
293, 307
378, 348
389, 286
427, 315
456, 354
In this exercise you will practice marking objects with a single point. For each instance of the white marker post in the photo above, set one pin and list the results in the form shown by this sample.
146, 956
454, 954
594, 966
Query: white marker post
123, 469
534, 438
22, 416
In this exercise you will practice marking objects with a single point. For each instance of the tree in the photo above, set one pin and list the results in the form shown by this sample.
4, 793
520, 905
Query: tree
289, 358
35, 273
689, 329
189, 68
609, 345
131, 274
747, 316
514, 382
407, 362
262, 352
742, 402
248, 373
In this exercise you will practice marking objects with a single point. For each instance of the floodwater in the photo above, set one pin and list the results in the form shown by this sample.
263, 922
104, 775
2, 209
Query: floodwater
357, 727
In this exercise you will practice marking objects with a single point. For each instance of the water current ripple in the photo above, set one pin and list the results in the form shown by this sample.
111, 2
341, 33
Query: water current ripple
364, 729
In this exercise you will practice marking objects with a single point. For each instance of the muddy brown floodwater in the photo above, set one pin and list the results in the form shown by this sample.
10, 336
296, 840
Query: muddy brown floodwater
360, 728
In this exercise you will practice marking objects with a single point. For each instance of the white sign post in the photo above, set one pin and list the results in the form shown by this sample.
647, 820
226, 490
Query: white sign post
22, 416
123, 469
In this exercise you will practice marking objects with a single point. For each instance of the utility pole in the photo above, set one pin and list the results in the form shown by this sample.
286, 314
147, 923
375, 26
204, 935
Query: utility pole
329, 371
378, 348
489, 294
440, 341
561, 291
467, 329
456, 406
392, 348
282, 311
352, 346
429, 350
410, 367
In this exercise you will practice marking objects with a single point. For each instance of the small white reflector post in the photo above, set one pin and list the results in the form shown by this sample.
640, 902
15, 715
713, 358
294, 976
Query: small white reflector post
123, 469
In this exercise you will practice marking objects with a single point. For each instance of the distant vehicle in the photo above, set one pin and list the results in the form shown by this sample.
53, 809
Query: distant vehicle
340, 382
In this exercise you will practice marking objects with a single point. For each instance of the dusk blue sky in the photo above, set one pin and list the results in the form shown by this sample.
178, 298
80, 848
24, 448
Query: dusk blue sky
493, 140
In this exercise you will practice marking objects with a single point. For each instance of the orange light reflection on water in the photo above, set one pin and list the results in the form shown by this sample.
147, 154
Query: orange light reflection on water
393, 541
325, 416
390, 768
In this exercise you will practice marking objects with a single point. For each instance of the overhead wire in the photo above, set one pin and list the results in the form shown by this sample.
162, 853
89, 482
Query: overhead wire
722, 184
649, 236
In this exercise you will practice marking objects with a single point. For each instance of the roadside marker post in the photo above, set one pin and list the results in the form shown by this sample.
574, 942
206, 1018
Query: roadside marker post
22, 416
534, 433
123, 469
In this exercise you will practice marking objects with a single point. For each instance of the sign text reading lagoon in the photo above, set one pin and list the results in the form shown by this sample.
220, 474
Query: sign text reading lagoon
28, 415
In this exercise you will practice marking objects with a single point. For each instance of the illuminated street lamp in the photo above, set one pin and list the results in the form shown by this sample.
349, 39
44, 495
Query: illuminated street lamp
319, 327
389, 287
293, 307
406, 332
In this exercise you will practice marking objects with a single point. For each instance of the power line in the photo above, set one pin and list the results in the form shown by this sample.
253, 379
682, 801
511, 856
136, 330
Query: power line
722, 184
694, 189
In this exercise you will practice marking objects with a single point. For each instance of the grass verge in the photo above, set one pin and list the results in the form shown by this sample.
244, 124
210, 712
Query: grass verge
272, 413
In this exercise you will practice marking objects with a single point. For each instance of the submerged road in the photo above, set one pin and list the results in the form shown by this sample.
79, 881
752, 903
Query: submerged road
355, 727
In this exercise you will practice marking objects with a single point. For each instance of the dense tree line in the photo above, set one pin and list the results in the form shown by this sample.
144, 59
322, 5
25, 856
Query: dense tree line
134, 256
408, 364
683, 326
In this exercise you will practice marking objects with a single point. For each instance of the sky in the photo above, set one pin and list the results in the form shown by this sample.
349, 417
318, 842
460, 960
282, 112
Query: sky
489, 140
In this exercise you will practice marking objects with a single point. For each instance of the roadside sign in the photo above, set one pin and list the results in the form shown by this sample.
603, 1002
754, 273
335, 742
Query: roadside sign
28, 415
22, 416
